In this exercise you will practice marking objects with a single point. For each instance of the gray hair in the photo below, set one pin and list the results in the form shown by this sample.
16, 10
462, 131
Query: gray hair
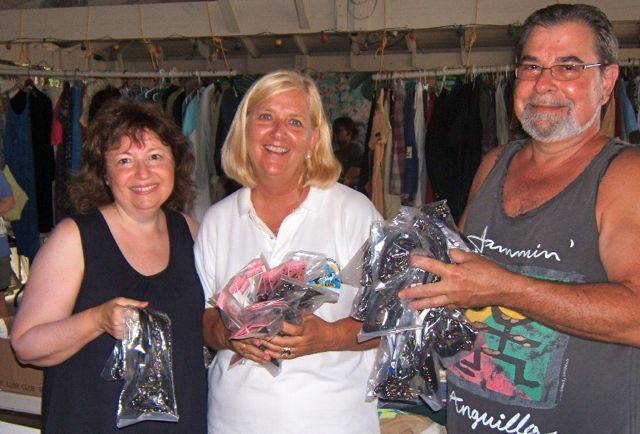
594, 18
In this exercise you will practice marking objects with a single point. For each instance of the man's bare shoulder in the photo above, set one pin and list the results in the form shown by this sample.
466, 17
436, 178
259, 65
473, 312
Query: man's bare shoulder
621, 182
625, 167
493, 154
489, 160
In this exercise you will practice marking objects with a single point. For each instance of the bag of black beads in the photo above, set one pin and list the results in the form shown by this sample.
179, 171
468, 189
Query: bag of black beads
386, 313
448, 333
408, 362
357, 273
387, 253
144, 360
439, 215
361, 271
405, 370
386, 271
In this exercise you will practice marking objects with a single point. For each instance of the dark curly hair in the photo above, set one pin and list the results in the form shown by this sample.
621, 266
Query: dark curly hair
129, 118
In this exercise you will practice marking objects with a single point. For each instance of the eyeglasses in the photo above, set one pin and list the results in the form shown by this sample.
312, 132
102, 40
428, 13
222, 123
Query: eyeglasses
562, 72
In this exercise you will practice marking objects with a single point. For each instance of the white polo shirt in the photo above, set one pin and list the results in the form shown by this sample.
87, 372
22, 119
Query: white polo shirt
320, 393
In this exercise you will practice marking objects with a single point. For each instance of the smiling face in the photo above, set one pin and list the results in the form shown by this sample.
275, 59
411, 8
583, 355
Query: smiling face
279, 137
140, 175
551, 110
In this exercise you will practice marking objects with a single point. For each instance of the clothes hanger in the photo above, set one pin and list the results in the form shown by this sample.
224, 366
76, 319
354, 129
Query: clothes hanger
444, 80
28, 83
13, 89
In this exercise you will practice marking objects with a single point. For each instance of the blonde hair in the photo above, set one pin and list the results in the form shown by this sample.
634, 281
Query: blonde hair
322, 168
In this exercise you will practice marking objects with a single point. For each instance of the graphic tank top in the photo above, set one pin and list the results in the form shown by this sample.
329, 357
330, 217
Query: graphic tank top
527, 377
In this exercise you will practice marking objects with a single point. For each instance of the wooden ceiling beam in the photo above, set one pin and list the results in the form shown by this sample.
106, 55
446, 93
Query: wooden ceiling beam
250, 46
229, 15
303, 17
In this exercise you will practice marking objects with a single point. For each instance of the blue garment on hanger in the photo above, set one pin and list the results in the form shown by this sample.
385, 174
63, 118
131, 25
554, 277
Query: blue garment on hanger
19, 156
76, 130
190, 119
628, 113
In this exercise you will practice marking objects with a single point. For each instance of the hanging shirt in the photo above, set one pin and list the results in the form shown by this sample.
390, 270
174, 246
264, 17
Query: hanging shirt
502, 121
19, 156
44, 165
76, 128
377, 143
396, 183
420, 133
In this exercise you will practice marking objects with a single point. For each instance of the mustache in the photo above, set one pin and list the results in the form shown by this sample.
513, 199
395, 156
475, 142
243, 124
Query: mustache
548, 101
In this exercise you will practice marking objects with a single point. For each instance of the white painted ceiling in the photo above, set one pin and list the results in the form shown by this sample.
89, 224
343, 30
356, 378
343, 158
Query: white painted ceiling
260, 35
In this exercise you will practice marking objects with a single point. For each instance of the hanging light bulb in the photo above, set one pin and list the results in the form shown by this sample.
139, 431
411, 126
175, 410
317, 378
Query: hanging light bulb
278, 42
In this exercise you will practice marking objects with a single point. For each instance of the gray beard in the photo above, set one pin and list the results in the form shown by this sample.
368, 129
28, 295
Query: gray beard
545, 127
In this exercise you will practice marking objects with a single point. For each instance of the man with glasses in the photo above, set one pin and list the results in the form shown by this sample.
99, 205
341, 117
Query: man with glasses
555, 289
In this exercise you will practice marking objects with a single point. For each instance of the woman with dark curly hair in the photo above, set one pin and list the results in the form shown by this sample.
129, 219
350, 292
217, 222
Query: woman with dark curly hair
128, 246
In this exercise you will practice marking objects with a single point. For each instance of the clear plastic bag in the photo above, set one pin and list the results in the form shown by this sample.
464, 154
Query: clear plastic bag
385, 271
439, 214
144, 360
289, 288
386, 312
448, 333
408, 361
405, 370
238, 292
414, 344
258, 300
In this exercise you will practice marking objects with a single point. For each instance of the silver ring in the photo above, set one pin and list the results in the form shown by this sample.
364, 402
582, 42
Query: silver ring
286, 351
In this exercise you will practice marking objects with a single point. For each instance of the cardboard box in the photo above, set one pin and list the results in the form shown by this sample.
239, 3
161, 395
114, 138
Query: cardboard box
16, 378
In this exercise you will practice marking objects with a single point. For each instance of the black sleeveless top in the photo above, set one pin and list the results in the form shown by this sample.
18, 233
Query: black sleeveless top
76, 399
528, 377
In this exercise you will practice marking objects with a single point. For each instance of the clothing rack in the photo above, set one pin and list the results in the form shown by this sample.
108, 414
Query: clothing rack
114, 74
442, 72
445, 71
